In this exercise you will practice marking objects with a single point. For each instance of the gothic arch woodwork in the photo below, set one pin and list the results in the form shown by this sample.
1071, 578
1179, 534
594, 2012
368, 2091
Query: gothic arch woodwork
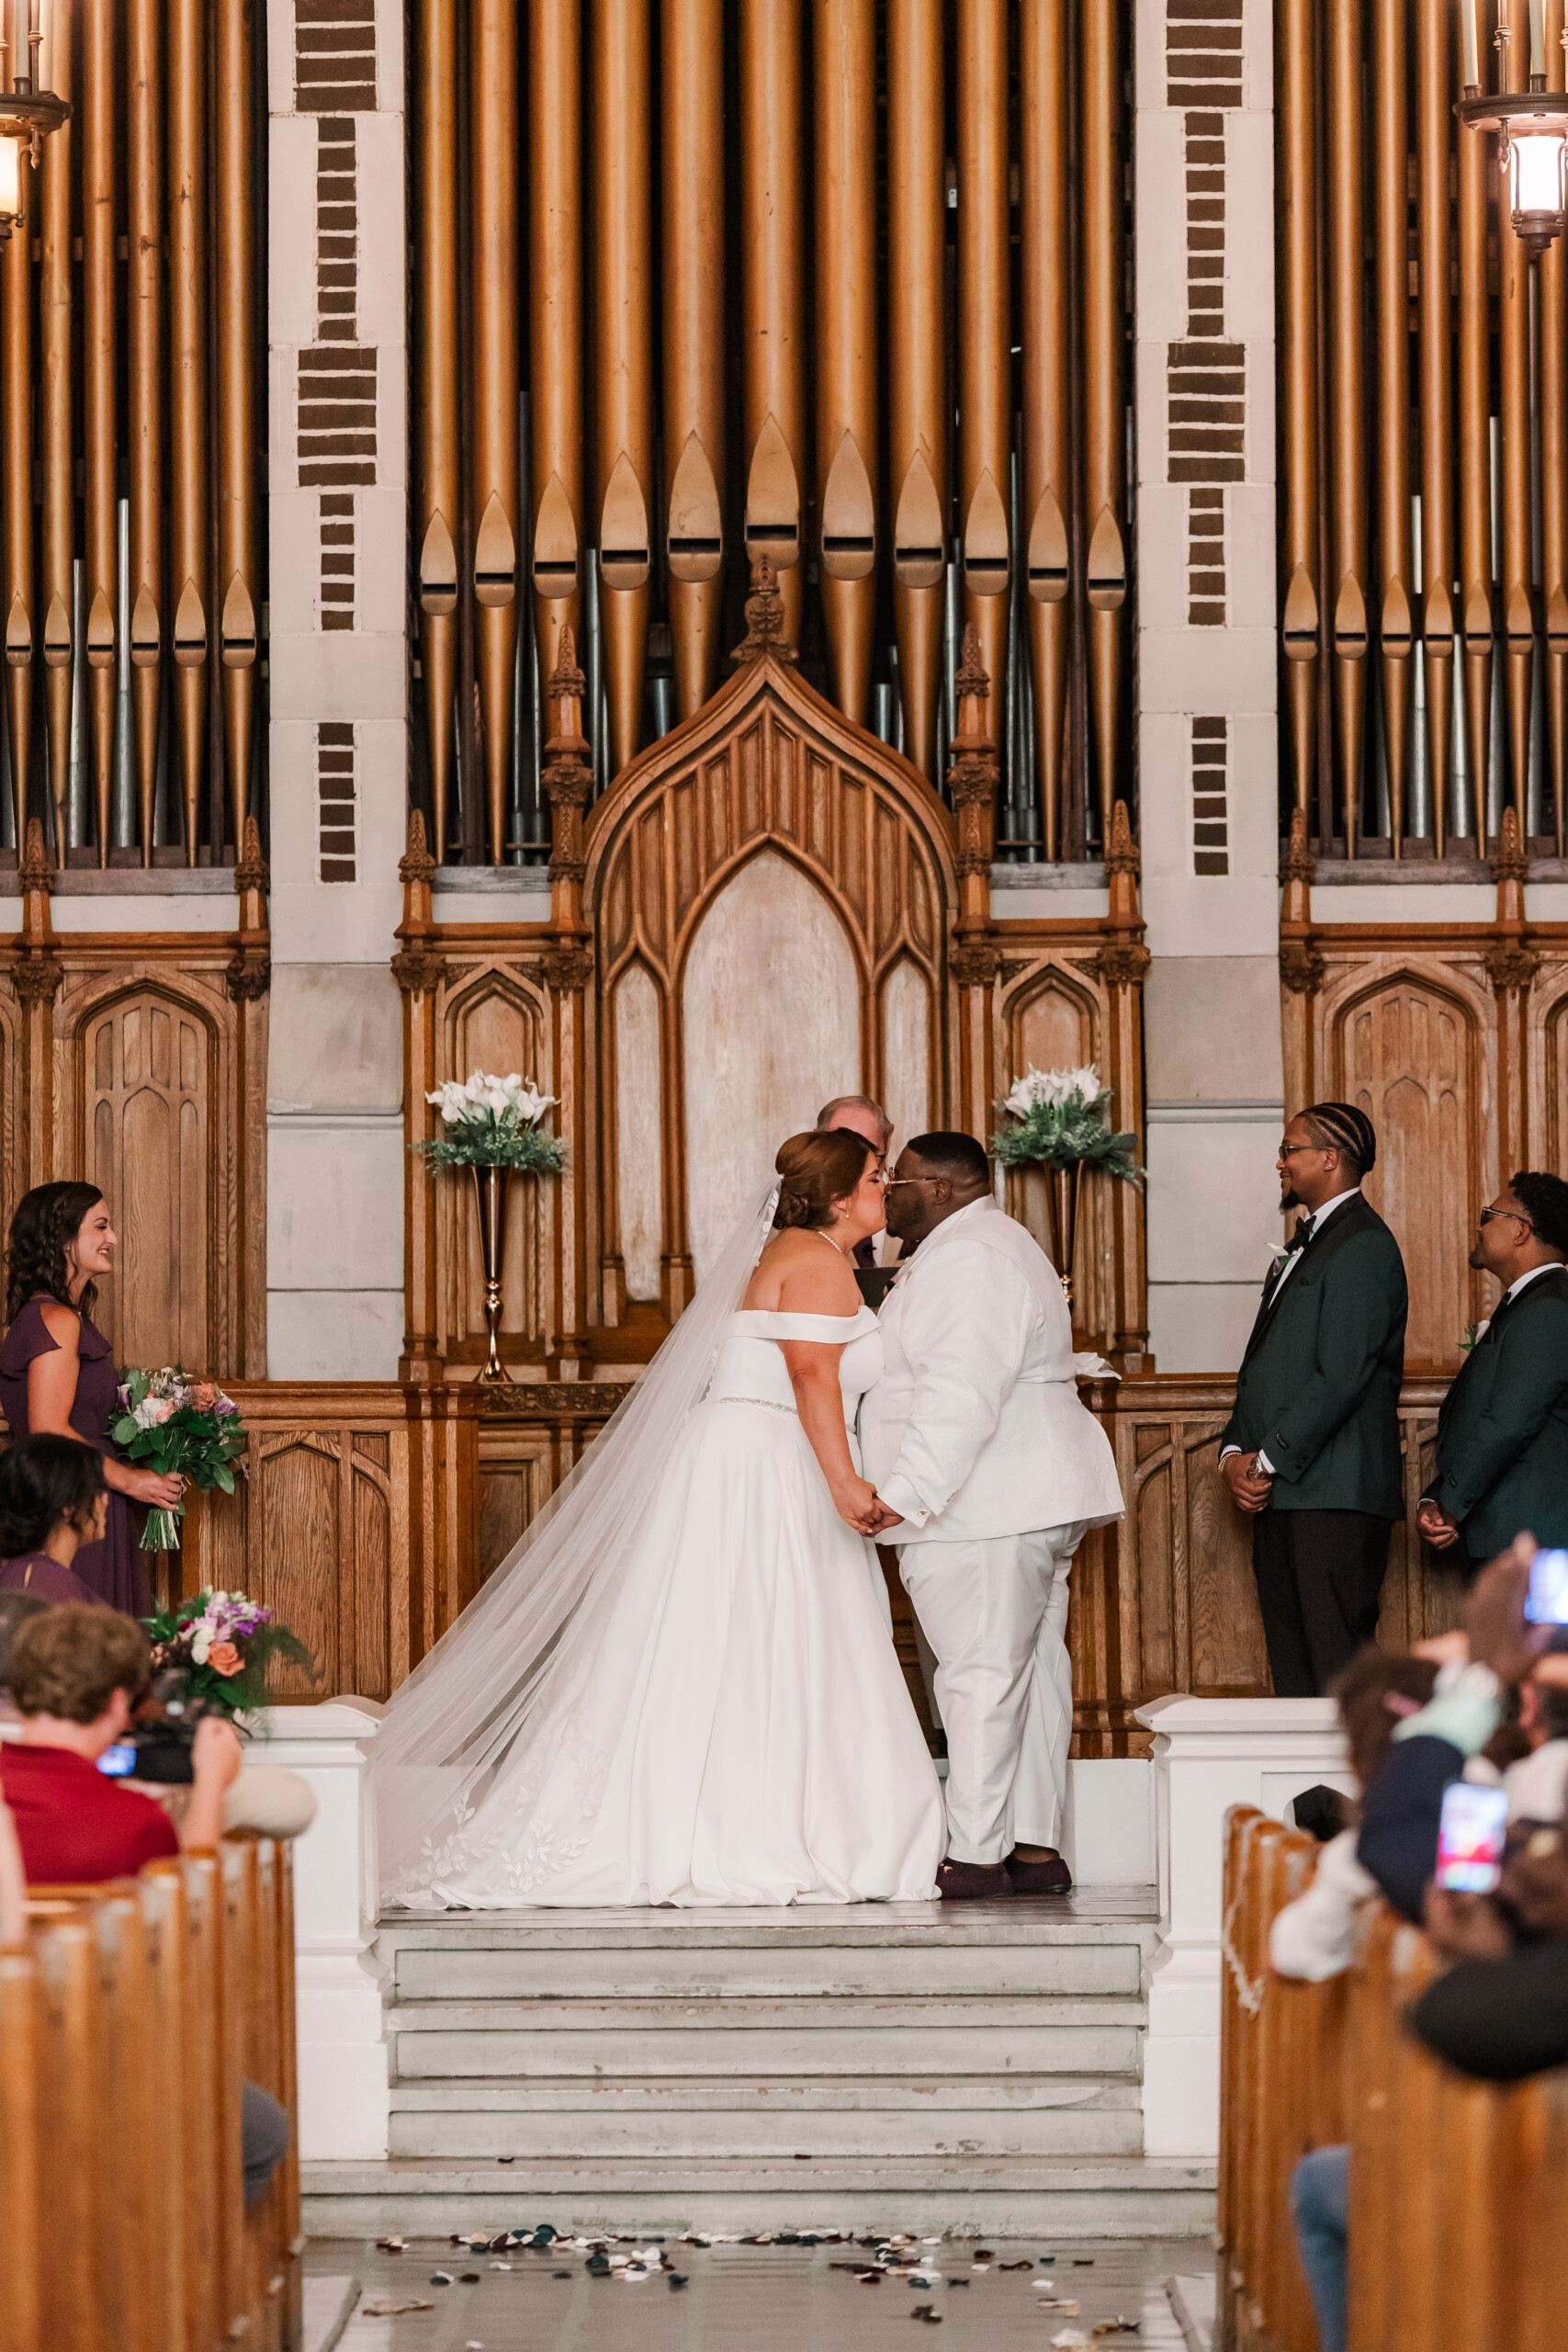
492, 1017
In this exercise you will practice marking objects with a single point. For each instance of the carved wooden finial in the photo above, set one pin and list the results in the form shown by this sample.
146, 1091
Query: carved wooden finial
1299, 864
566, 678
1510, 859
764, 617
1122, 851
972, 678
416, 864
250, 872
37, 869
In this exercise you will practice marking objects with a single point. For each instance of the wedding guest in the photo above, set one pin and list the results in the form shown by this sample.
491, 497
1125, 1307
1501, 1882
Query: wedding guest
1502, 1453
1311, 1452
57, 1372
53, 1502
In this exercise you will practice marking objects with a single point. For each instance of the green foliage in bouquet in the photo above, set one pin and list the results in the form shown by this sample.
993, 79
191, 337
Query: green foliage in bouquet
1062, 1115
224, 1644
494, 1123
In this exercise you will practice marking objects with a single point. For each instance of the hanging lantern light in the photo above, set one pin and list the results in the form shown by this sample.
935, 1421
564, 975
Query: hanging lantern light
28, 109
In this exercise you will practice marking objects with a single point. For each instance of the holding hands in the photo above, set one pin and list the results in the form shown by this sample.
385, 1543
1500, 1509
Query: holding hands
858, 1503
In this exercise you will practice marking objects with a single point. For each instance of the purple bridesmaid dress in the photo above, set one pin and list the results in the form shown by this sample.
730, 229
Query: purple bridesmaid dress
113, 1569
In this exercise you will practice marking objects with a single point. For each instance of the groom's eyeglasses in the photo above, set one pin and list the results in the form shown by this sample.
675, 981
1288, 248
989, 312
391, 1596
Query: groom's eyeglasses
888, 1181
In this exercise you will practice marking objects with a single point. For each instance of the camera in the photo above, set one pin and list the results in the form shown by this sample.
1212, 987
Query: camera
165, 1733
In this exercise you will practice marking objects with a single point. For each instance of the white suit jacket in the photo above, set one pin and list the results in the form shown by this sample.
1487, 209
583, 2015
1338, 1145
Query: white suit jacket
975, 1429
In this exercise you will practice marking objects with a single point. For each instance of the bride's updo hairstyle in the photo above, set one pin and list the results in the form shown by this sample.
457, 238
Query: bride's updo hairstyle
814, 1170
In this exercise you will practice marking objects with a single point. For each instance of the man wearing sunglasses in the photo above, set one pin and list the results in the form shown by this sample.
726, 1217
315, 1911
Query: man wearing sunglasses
1502, 1455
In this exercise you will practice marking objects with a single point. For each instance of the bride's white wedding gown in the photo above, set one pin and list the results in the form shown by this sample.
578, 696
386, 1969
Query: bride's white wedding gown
741, 1733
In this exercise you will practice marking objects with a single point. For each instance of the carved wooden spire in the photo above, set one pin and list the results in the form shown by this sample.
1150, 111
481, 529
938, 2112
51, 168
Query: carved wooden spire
416, 864
764, 617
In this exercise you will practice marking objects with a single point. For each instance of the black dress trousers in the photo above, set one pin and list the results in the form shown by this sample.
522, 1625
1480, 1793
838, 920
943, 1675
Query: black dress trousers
1319, 1581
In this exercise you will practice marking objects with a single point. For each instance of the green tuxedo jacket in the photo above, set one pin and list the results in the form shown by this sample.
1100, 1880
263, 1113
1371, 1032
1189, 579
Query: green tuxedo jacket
1318, 1388
1502, 1459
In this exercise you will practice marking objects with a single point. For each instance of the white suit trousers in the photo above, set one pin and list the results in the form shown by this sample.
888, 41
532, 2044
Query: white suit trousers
995, 1611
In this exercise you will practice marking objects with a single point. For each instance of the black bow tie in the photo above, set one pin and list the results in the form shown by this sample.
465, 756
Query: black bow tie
1303, 1233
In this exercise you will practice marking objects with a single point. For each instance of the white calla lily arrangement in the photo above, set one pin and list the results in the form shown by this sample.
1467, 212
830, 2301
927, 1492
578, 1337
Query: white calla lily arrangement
1063, 1116
493, 1122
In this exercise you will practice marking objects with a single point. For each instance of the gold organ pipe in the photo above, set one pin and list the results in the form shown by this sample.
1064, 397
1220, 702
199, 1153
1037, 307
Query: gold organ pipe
555, 288
101, 583
847, 456
59, 486
917, 370
985, 322
493, 120
239, 576
1434, 128
1475, 468
1348, 495
144, 178
440, 429
1512, 353
190, 588
1553, 290
691, 77
1104, 415
1047, 486
1303, 608
1396, 619
16, 422
774, 314
624, 356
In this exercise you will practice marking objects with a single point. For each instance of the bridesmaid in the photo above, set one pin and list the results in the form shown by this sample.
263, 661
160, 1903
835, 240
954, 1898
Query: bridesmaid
57, 1373
53, 1502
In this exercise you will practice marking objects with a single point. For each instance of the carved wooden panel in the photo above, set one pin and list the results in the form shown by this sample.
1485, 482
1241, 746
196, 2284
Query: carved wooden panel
492, 1016
529, 1439
146, 1061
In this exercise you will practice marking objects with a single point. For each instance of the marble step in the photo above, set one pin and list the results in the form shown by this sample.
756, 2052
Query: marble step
1117, 1915
473, 1970
991, 2035
1018, 2196
1006, 2115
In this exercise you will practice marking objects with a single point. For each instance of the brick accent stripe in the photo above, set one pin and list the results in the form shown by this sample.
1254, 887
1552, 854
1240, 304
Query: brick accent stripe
334, 56
1205, 376
1211, 838
335, 800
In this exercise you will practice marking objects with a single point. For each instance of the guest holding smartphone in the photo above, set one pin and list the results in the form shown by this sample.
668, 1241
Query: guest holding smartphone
57, 1373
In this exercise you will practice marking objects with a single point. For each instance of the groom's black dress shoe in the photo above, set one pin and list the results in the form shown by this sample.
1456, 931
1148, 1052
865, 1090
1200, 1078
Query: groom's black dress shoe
971, 1881
1038, 1878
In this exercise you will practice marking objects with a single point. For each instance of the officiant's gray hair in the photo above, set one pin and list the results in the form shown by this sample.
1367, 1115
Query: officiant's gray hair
829, 1112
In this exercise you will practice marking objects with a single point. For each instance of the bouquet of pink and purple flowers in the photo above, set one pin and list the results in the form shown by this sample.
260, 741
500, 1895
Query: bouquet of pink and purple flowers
176, 1424
223, 1644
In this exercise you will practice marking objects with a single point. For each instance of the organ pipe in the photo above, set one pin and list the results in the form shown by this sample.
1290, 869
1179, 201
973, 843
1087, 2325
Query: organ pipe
1393, 281
239, 576
16, 423
773, 323
691, 77
493, 116
1104, 416
916, 372
1348, 499
1434, 120
1475, 468
439, 425
1513, 353
554, 231
59, 499
144, 178
1048, 488
189, 560
624, 289
847, 456
985, 322
1553, 295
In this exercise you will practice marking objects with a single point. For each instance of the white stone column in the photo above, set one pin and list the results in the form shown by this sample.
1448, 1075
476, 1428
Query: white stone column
1208, 752
1209, 1754
337, 332
343, 2100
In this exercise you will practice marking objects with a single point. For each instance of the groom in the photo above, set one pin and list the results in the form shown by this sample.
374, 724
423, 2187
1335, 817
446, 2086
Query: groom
990, 1471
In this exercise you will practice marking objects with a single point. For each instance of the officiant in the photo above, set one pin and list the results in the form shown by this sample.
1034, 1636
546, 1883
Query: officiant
1311, 1453
875, 1258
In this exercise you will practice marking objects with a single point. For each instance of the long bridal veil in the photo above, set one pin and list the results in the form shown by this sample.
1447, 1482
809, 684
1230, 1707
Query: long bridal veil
495, 1699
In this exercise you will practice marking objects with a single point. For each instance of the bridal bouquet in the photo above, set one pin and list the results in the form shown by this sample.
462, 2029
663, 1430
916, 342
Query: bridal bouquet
170, 1422
223, 1644
1063, 1115
494, 1123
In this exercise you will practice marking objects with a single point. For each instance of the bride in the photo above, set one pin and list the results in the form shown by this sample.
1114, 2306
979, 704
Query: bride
683, 1686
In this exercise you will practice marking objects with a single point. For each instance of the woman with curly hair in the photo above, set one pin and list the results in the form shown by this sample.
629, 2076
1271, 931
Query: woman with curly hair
57, 1373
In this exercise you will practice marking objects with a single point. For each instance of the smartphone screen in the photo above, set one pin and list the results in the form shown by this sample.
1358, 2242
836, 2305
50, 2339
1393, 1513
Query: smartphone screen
118, 1760
1546, 1603
1470, 1838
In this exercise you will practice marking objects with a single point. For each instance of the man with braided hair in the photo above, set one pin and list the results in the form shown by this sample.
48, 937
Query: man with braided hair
1311, 1452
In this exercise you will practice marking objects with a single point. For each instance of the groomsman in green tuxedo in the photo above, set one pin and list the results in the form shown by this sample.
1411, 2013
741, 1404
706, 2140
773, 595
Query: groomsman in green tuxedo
1312, 1451
1502, 1464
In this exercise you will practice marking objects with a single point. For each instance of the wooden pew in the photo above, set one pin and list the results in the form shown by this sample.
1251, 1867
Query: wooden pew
129, 2021
1457, 2188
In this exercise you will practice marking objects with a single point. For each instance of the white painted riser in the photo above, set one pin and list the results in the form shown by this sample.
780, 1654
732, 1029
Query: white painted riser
1026, 1971
1095, 2129
1108, 2045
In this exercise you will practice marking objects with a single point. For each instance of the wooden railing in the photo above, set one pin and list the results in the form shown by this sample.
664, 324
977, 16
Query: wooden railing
130, 2022
1457, 2187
